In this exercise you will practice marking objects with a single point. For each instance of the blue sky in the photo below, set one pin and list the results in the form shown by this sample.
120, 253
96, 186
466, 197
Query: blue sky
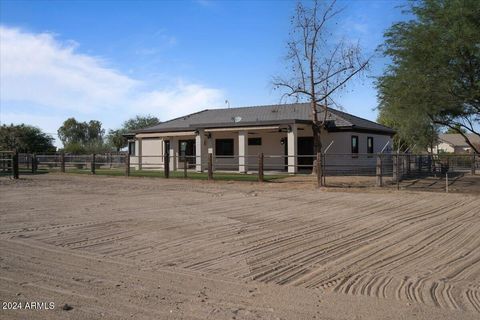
110, 60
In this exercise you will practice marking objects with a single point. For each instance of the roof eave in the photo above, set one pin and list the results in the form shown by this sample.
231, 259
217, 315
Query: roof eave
223, 125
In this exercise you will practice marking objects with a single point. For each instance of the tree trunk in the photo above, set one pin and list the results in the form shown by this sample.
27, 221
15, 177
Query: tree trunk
316, 129
317, 142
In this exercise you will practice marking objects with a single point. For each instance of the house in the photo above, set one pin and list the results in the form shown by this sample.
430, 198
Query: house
235, 137
455, 143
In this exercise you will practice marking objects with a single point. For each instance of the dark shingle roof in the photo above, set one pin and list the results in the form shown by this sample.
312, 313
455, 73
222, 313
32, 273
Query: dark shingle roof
263, 115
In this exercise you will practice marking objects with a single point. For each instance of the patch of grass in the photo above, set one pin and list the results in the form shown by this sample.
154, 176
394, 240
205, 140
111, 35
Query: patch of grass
225, 176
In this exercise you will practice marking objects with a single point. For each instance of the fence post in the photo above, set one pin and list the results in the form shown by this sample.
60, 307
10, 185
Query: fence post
92, 164
446, 181
419, 164
210, 166
62, 162
3, 161
185, 166
473, 169
429, 163
127, 164
260, 167
399, 174
34, 163
15, 165
395, 167
409, 167
166, 165
379, 182
319, 169
324, 169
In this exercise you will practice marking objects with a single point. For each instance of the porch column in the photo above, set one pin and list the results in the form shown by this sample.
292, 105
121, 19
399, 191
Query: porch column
242, 151
199, 141
292, 149
173, 154
139, 167
163, 151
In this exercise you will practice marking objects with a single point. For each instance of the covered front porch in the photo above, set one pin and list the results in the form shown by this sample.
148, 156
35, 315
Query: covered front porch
287, 148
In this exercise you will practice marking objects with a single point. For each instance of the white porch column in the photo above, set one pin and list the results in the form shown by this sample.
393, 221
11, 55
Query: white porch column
242, 151
173, 154
139, 167
199, 148
292, 149
164, 151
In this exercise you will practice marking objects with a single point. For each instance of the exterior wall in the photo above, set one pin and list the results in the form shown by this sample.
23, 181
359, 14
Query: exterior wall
270, 146
340, 160
152, 151
339, 152
446, 147
342, 142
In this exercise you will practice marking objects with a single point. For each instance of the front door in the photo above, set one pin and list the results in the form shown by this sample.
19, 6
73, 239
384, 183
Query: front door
187, 151
305, 152
167, 147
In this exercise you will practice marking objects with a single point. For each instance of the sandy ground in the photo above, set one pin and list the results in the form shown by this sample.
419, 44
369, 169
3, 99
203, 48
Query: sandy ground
139, 248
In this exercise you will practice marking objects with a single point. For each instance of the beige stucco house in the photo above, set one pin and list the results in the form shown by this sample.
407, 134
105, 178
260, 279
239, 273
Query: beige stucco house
455, 143
235, 137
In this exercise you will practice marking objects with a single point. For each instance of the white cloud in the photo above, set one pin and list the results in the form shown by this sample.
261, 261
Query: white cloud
42, 73
38, 69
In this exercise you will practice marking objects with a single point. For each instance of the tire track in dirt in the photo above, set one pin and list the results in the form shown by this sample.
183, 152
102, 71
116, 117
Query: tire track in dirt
411, 247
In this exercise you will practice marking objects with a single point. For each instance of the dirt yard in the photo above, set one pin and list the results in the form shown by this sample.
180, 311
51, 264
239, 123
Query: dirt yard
140, 248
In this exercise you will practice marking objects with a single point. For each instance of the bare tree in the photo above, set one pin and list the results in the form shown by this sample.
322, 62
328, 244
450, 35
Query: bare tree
320, 65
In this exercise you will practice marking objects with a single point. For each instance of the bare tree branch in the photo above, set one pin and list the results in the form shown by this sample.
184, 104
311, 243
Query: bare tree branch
319, 67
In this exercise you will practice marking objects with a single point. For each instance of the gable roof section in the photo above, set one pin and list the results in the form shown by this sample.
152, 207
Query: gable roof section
264, 115
457, 140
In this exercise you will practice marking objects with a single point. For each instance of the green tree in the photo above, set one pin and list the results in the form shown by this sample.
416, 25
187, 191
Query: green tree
95, 131
25, 138
434, 77
116, 137
82, 137
73, 131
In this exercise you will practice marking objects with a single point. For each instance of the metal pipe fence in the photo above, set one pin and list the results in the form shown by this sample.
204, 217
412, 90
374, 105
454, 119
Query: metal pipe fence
6, 163
334, 169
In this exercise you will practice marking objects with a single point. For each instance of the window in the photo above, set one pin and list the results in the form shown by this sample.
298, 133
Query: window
369, 144
224, 147
131, 148
354, 144
254, 141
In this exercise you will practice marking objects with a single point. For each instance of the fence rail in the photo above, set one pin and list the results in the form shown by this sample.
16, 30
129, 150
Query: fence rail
334, 169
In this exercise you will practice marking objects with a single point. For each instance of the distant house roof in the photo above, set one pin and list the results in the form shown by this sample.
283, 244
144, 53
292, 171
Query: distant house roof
265, 115
457, 140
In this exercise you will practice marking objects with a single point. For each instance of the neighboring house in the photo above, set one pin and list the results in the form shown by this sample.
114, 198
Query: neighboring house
455, 143
236, 136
